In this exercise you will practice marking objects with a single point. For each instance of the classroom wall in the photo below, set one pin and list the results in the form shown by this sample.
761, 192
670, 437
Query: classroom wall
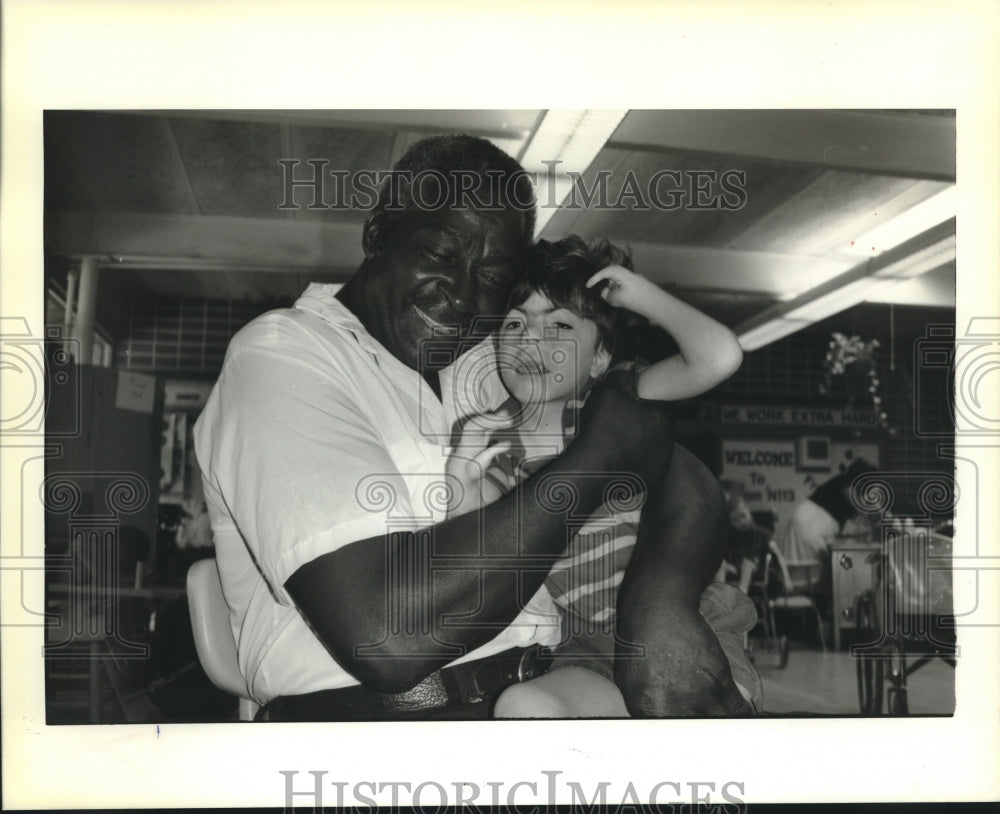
786, 377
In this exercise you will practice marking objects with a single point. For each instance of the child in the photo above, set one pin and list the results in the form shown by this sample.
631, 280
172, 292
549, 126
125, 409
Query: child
747, 543
559, 337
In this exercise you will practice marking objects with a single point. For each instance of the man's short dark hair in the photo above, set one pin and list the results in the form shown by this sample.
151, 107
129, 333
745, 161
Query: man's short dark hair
560, 270
454, 171
859, 467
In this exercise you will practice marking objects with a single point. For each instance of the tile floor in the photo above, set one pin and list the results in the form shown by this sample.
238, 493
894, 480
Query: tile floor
826, 683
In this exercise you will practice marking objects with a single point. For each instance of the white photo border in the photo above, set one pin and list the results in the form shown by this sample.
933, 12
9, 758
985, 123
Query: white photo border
159, 55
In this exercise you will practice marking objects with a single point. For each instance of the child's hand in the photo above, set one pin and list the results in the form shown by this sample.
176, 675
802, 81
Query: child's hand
626, 289
471, 456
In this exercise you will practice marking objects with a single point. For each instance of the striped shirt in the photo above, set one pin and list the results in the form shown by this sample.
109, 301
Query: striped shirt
584, 581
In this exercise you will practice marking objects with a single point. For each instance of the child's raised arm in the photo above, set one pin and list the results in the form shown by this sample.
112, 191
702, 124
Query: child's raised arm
709, 352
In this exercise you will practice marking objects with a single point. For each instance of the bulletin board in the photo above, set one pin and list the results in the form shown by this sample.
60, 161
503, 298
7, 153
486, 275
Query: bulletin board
772, 478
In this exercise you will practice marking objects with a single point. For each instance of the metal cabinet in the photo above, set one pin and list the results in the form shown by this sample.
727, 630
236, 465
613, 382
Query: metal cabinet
852, 575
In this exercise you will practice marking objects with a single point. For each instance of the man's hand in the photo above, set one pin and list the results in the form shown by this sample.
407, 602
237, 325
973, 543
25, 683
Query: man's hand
685, 672
681, 537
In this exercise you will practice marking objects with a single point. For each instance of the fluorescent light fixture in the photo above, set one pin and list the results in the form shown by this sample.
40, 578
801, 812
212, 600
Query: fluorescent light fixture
769, 332
914, 221
921, 261
573, 138
840, 299
164, 263
867, 281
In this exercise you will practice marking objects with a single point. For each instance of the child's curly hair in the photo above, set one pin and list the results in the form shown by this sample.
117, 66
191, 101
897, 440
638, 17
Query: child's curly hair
560, 271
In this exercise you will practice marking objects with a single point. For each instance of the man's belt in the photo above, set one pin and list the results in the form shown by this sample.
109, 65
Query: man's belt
463, 684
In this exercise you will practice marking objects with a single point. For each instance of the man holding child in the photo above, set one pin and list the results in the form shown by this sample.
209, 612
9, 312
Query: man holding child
353, 594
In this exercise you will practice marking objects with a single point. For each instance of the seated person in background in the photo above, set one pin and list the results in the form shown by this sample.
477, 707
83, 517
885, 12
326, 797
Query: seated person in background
820, 518
748, 542
557, 339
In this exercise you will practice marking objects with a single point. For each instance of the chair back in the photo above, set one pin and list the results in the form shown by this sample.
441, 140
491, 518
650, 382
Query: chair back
213, 636
797, 577
786, 578
774, 562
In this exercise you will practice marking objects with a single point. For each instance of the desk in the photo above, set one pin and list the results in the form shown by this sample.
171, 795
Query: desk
852, 575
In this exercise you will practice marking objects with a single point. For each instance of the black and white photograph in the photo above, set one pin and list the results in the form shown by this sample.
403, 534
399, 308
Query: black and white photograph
660, 424
806, 299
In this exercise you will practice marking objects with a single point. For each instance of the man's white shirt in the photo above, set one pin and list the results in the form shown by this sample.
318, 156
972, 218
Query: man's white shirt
315, 437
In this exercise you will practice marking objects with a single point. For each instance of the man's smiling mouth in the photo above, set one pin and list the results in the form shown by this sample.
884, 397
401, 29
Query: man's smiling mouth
438, 327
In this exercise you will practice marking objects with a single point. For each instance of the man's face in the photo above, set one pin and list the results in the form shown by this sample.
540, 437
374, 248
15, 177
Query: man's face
437, 272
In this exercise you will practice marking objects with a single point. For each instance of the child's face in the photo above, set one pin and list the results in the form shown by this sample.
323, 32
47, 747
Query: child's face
740, 517
547, 353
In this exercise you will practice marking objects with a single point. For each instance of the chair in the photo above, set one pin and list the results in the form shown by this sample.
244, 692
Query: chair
792, 594
213, 637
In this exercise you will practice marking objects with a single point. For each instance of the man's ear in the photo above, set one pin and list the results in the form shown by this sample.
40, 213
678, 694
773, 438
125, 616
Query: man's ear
600, 362
375, 232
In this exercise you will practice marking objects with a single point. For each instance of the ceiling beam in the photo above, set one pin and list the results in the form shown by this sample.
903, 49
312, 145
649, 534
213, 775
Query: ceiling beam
206, 242
178, 166
487, 123
935, 288
214, 243
700, 268
909, 144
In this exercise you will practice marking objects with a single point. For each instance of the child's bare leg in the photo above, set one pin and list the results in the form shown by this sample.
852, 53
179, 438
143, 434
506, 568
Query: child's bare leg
566, 692
723, 573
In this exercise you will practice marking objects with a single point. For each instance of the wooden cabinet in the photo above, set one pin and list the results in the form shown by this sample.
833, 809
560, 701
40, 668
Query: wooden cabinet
852, 575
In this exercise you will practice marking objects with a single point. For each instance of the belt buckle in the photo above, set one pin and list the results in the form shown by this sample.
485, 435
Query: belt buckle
523, 670
487, 680
504, 673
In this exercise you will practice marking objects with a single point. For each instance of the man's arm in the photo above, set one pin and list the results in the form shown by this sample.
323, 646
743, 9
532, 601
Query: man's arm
379, 604
682, 536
